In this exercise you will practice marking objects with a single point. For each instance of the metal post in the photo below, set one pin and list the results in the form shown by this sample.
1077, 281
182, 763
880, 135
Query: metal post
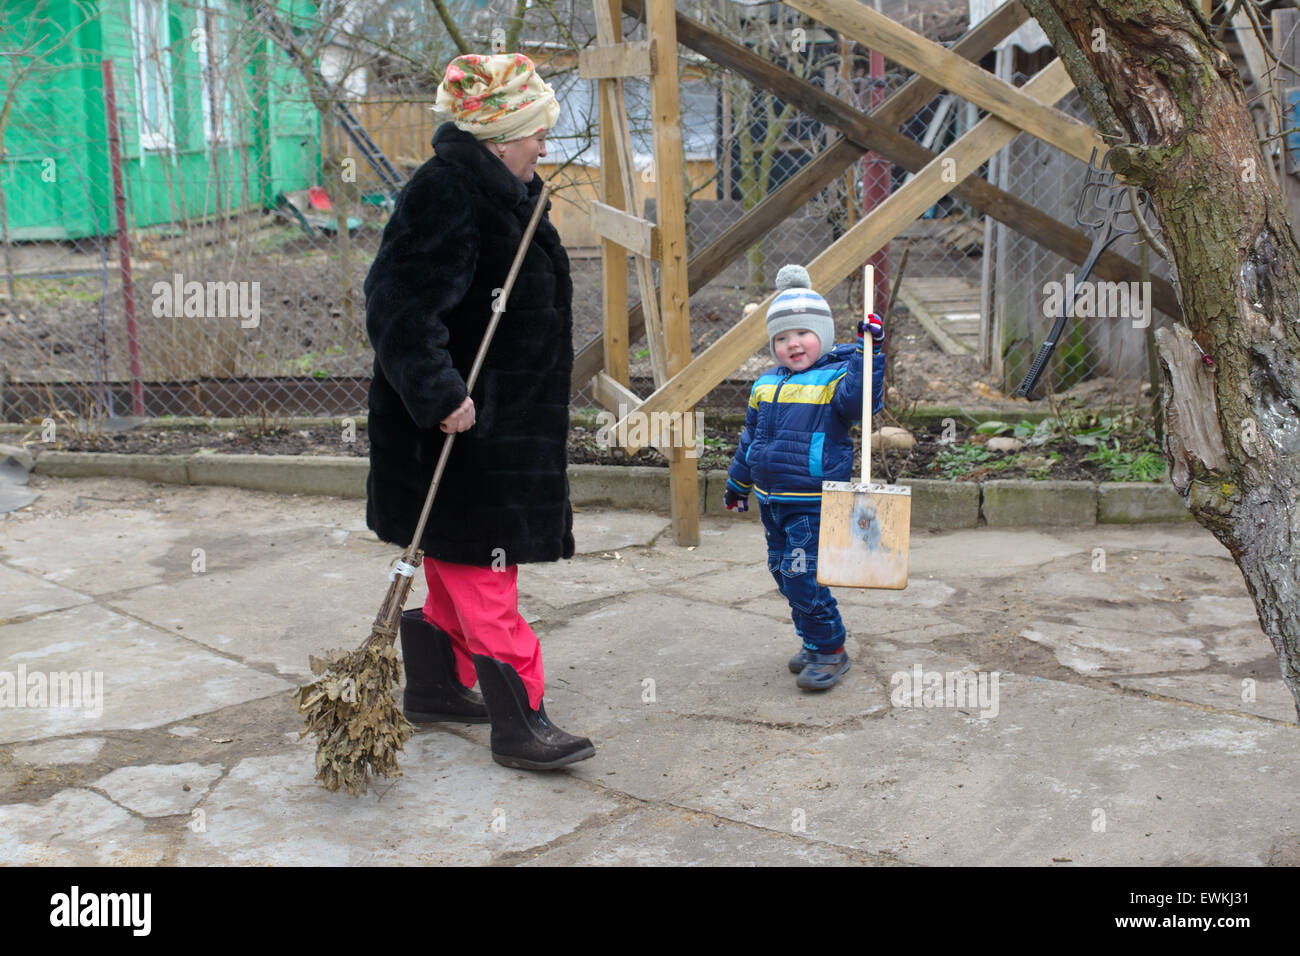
123, 241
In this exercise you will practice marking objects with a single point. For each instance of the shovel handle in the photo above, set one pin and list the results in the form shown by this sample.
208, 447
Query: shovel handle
868, 306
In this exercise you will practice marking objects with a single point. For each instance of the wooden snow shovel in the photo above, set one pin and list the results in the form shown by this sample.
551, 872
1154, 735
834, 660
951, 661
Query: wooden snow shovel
865, 528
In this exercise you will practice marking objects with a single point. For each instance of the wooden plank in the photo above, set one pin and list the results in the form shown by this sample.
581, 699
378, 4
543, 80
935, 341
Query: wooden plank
633, 233
609, 32
933, 326
670, 205
963, 158
967, 80
1285, 47
611, 394
1252, 50
709, 262
615, 338
1257, 65
632, 58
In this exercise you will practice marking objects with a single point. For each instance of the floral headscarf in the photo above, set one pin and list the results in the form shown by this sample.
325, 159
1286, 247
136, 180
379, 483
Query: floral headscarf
498, 97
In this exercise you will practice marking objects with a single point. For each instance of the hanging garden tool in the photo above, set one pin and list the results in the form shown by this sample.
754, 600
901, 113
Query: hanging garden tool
865, 528
351, 706
1104, 208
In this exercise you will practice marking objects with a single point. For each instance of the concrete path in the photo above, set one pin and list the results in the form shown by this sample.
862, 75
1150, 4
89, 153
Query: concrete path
1111, 699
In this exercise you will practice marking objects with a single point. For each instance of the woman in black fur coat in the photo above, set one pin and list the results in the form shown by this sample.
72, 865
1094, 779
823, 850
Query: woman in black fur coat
503, 499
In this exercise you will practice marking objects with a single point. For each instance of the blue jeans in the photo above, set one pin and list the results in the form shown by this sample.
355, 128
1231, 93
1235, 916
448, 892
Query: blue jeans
792, 530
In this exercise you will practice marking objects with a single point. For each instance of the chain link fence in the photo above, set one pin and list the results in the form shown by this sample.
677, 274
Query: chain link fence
252, 217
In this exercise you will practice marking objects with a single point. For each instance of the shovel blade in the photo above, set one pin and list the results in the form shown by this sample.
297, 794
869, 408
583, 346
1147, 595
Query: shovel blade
865, 533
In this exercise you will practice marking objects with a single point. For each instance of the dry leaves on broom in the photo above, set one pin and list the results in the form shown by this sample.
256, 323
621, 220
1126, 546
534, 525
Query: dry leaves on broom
353, 711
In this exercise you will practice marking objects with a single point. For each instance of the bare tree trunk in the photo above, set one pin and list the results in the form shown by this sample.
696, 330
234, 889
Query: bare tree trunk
1232, 434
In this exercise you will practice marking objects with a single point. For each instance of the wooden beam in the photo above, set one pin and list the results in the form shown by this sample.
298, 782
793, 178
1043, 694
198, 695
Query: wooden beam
613, 342
609, 30
1258, 67
633, 233
960, 160
1066, 242
633, 58
811, 179
675, 296
932, 324
966, 79
612, 394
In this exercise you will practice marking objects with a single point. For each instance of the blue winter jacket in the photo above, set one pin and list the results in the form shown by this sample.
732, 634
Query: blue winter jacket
797, 427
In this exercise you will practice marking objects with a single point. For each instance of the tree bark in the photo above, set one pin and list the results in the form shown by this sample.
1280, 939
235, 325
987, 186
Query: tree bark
1231, 434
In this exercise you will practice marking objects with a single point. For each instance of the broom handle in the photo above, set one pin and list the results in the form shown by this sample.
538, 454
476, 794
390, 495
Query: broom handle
498, 307
868, 306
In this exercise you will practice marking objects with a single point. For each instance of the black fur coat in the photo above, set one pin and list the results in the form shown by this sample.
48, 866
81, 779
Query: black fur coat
504, 497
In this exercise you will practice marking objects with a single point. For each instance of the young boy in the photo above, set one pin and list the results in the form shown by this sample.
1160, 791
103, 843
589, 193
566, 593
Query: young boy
797, 436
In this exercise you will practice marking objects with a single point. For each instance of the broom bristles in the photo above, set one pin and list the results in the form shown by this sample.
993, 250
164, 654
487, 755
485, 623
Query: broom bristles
352, 709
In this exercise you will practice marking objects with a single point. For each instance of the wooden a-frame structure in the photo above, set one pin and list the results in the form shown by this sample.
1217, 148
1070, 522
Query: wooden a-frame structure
681, 381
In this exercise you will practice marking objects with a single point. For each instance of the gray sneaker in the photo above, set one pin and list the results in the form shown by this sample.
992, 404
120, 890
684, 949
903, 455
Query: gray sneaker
799, 661
822, 671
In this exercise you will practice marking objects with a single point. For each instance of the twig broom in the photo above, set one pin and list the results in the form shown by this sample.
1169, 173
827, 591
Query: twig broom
351, 706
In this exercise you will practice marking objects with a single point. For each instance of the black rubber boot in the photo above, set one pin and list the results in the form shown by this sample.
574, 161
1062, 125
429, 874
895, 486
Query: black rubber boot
522, 737
433, 692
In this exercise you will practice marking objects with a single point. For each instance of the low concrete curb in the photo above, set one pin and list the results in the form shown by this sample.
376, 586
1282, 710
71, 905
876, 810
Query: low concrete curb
635, 487
168, 469
1017, 502
935, 504
339, 476
944, 504
1133, 502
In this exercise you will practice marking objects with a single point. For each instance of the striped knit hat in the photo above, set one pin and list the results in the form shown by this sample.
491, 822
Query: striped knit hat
799, 307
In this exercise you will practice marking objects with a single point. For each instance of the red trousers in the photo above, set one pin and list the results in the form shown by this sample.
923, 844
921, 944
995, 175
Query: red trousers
479, 608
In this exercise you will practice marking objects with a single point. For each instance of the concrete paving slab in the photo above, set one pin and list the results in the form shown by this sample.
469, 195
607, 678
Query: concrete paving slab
145, 677
159, 790
733, 584
597, 531
734, 539
23, 593
1167, 619
1176, 538
77, 828
908, 625
724, 663
562, 584
650, 754
980, 552
74, 750
1266, 698
931, 786
455, 806
113, 551
678, 837
922, 591
725, 743
1217, 611
1243, 645
1099, 651
231, 611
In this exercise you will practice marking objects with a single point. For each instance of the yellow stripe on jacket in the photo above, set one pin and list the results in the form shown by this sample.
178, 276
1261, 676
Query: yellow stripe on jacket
804, 394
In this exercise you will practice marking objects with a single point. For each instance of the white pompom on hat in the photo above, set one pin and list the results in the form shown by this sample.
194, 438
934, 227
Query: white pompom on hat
797, 306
